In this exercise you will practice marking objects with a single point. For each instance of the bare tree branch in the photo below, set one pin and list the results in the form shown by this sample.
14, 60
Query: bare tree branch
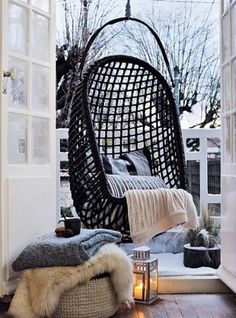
190, 48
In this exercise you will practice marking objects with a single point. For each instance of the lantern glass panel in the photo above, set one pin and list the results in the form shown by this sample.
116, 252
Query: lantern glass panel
139, 286
153, 284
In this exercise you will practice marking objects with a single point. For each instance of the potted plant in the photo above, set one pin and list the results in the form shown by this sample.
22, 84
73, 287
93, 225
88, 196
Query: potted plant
203, 247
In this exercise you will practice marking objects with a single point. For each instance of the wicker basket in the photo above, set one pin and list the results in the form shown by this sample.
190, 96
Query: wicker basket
97, 299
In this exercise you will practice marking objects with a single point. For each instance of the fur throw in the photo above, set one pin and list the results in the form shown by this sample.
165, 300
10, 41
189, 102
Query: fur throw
39, 290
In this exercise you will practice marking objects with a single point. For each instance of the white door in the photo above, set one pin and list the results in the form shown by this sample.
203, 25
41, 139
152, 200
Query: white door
227, 270
27, 125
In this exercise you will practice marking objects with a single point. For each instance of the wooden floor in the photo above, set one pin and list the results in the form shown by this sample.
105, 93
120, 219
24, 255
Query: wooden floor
186, 306
181, 306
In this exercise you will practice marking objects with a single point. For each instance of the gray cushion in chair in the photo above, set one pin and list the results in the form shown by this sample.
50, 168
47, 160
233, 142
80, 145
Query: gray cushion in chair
131, 163
118, 184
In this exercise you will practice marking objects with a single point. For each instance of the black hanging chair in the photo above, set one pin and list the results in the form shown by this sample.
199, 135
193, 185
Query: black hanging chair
122, 104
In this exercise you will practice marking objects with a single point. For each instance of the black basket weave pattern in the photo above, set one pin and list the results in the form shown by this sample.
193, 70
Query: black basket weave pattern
122, 104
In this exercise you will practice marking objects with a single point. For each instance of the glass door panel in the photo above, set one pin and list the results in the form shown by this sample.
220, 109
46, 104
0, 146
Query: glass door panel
41, 4
226, 38
40, 37
40, 140
234, 82
233, 28
225, 5
17, 86
227, 140
40, 88
225, 87
17, 139
17, 28
234, 136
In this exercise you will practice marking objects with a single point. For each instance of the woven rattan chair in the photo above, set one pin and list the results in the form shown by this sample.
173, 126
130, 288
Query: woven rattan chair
122, 104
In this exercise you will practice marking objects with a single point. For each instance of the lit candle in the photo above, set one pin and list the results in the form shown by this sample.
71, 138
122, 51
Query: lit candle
138, 291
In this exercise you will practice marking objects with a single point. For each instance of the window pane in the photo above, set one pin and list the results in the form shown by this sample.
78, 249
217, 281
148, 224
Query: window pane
226, 87
17, 139
233, 28
17, 87
41, 4
234, 136
17, 28
234, 81
226, 37
40, 88
225, 5
40, 37
40, 140
226, 140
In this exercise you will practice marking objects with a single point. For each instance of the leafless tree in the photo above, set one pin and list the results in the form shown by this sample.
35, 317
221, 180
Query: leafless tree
189, 46
77, 21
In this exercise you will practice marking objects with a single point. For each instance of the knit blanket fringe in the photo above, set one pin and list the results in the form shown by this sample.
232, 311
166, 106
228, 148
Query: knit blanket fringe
152, 212
39, 290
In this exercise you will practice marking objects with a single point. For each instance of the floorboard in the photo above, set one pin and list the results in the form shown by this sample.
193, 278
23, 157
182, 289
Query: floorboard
181, 306
187, 306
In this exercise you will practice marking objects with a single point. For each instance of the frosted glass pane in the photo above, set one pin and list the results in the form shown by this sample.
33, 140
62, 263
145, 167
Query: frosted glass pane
233, 28
227, 148
17, 139
225, 5
17, 87
234, 119
40, 88
40, 37
41, 4
234, 82
17, 28
225, 37
40, 140
226, 90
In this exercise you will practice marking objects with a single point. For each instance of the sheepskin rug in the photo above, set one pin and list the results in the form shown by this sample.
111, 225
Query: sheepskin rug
39, 290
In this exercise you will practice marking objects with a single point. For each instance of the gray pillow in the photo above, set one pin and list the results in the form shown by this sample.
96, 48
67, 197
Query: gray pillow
50, 250
118, 185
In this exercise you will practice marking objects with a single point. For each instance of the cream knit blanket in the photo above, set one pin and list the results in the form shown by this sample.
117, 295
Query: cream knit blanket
152, 212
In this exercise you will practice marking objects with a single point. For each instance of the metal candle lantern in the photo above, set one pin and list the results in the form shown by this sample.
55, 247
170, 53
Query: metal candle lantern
145, 269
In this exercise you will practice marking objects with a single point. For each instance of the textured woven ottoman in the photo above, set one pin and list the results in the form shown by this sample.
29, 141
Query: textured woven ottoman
97, 299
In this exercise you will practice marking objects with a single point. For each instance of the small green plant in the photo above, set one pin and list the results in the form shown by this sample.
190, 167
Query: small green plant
66, 212
207, 234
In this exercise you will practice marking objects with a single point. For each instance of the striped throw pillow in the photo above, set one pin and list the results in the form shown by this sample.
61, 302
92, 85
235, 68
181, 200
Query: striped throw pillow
118, 184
